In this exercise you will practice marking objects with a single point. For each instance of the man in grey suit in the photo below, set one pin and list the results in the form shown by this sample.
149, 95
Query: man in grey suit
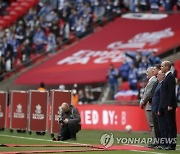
144, 102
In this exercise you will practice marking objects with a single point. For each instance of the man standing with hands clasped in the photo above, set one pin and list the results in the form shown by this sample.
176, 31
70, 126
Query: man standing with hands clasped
168, 104
145, 102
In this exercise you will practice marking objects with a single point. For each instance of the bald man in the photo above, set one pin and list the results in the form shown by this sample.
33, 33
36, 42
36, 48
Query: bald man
168, 103
69, 123
145, 101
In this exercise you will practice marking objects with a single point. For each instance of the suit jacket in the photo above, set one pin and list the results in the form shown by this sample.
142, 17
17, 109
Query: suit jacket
153, 90
156, 98
168, 92
148, 93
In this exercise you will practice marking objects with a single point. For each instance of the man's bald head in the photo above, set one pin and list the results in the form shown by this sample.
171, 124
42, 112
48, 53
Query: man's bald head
165, 66
65, 107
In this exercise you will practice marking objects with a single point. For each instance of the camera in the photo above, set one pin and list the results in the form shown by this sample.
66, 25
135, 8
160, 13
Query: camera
61, 120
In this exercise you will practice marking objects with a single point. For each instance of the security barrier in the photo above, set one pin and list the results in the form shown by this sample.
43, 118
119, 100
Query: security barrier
18, 110
37, 120
57, 97
3, 105
37, 111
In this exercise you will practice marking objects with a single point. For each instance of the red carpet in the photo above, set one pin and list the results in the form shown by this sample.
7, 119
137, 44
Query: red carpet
89, 148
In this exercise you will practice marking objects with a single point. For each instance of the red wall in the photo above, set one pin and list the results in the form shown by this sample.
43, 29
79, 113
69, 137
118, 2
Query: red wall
115, 117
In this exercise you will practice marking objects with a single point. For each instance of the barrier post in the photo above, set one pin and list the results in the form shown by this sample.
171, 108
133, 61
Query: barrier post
38, 101
57, 98
18, 110
3, 105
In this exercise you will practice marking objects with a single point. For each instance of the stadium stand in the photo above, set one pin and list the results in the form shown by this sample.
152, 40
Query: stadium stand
60, 26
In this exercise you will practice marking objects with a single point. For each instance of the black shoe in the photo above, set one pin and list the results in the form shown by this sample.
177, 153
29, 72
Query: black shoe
170, 148
56, 139
63, 138
161, 147
152, 146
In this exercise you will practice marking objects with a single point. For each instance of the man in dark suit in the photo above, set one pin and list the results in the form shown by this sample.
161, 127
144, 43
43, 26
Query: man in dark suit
155, 100
168, 103
160, 122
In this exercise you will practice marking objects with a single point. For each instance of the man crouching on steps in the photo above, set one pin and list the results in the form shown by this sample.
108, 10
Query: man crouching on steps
69, 123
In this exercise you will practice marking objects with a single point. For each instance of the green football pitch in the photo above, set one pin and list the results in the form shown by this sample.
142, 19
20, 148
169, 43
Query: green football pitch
13, 142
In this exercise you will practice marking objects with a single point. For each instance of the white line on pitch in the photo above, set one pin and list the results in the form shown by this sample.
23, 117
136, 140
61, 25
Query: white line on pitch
38, 139
146, 151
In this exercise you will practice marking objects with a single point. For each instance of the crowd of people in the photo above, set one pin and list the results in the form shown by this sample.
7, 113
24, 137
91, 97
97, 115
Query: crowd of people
46, 26
133, 71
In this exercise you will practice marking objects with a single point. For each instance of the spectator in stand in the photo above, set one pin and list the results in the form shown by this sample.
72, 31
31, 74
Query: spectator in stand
42, 87
39, 40
4, 45
82, 97
29, 35
8, 60
142, 69
14, 44
1, 73
80, 28
178, 4
73, 19
144, 5
25, 52
135, 56
3, 5
55, 29
2, 67
166, 5
65, 31
154, 5
112, 77
45, 9
133, 6
31, 19
153, 59
173, 70
20, 31
1, 32
75, 99
50, 17
89, 95
133, 77
124, 70
109, 9
87, 14
30, 16
51, 43
60, 6
99, 12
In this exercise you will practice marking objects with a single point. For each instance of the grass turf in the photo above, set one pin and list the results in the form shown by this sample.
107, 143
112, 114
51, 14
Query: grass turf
84, 137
